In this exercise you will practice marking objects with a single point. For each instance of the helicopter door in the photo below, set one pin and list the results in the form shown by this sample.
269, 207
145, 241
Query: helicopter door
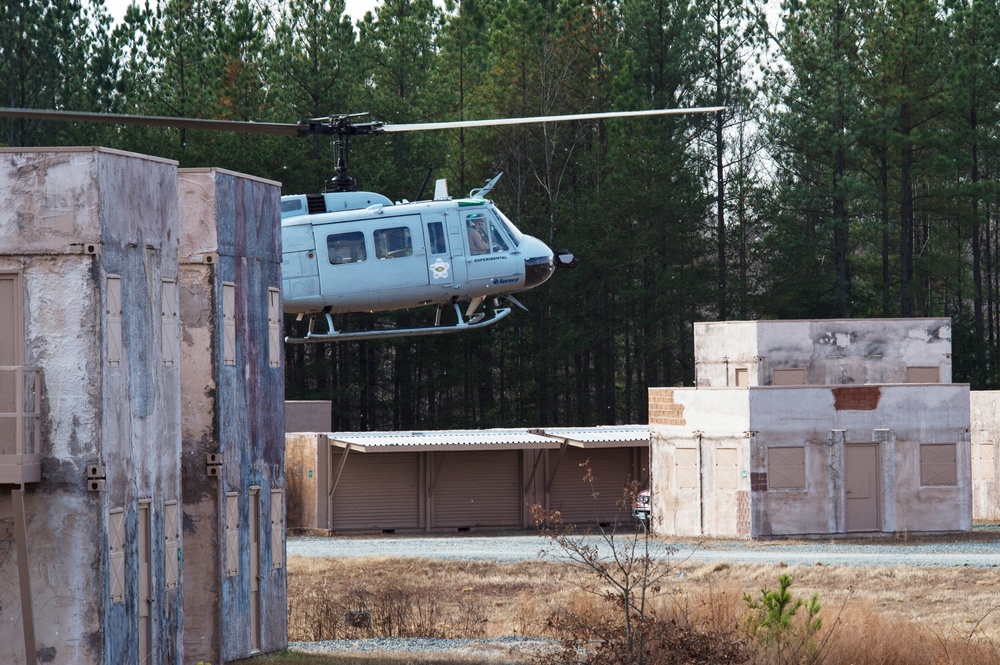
490, 256
440, 265
371, 268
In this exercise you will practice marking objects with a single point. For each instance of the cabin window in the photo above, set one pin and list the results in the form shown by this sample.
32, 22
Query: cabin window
393, 243
435, 233
346, 247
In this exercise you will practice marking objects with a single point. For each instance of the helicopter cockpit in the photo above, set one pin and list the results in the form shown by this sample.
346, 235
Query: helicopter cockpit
485, 236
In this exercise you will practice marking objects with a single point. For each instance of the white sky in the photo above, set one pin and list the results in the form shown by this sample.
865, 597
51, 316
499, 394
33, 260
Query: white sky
354, 8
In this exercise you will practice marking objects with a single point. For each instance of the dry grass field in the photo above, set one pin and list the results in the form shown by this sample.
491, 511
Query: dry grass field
884, 615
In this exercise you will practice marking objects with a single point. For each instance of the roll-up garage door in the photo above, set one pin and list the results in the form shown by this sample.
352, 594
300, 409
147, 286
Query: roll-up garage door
477, 488
572, 497
377, 491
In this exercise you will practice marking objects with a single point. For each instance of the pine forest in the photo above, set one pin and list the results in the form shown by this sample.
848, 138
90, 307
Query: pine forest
853, 173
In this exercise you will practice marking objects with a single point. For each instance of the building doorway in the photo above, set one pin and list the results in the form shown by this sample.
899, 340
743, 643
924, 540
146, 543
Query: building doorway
861, 487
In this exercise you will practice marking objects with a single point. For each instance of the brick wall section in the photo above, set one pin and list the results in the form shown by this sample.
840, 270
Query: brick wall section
663, 410
856, 398
743, 514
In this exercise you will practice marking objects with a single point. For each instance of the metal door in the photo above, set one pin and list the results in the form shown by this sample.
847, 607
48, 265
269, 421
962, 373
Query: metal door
10, 355
861, 487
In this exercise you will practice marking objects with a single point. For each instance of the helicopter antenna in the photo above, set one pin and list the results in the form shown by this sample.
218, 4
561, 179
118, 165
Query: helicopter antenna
483, 191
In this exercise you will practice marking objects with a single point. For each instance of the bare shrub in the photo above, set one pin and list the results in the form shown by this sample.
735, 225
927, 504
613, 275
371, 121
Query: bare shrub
621, 576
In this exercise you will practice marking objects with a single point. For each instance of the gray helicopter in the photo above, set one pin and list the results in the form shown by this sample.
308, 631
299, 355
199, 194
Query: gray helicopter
349, 251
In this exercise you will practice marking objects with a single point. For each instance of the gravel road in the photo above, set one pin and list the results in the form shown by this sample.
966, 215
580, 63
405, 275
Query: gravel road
980, 549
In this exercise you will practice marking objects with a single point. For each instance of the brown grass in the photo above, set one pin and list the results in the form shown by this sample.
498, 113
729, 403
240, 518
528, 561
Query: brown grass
884, 615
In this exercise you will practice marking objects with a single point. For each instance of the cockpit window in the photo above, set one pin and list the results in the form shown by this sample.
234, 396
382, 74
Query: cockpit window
346, 247
478, 232
393, 243
486, 234
509, 225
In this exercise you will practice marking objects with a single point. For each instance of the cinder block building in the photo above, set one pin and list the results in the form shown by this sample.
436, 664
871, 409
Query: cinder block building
90, 437
813, 427
232, 380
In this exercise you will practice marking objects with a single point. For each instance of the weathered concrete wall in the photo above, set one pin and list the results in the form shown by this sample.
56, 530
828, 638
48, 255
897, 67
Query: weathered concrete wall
231, 234
822, 420
699, 422
985, 435
308, 416
69, 218
302, 474
720, 348
833, 352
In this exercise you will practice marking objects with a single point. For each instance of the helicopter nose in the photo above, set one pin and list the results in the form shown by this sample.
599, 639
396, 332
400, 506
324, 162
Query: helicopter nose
537, 270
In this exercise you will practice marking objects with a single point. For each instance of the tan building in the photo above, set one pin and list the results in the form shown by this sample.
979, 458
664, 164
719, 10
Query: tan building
761, 459
985, 431
460, 479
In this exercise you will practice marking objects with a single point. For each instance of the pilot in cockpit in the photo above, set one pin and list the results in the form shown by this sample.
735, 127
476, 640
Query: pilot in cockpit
478, 243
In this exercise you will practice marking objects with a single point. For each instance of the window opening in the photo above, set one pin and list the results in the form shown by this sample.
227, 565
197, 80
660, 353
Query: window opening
393, 243
346, 247
435, 233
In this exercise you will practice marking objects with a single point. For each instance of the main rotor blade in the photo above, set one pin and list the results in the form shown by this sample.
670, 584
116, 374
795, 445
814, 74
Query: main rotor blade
155, 121
459, 124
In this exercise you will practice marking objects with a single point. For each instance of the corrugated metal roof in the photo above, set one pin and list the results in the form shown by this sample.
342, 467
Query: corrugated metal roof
441, 440
612, 436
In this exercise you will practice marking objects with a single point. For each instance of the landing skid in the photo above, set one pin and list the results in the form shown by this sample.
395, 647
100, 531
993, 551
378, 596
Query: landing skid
473, 322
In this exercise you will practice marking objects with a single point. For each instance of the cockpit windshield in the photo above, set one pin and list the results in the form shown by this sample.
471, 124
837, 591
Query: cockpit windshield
511, 229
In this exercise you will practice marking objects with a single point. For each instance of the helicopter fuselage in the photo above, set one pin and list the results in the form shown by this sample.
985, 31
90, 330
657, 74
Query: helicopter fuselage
360, 252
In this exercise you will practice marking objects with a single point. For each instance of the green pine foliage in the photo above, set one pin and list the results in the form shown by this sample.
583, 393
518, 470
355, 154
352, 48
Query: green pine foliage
852, 174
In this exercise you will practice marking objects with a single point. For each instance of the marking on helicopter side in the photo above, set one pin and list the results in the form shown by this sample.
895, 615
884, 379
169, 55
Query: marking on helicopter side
439, 269
507, 280
490, 258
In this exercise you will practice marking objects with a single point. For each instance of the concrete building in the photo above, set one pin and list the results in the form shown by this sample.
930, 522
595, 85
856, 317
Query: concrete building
460, 479
132, 300
865, 452
233, 404
828, 352
985, 433
89, 408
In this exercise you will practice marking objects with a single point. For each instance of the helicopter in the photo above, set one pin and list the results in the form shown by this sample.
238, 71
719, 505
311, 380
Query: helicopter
350, 251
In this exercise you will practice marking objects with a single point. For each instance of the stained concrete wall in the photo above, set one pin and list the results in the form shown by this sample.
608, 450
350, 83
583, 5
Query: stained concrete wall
68, 219
985, 435
304, 474
308, 415
822, 420
833, 352
230, 234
